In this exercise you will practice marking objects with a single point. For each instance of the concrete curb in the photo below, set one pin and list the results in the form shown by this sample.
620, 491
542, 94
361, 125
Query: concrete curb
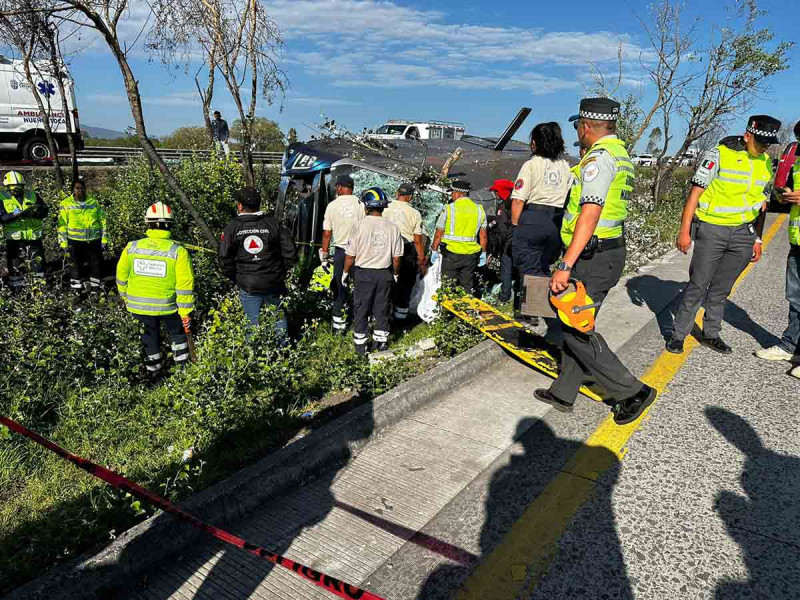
161, 536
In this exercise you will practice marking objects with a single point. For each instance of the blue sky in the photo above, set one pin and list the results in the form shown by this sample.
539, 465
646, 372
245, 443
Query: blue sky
476, 61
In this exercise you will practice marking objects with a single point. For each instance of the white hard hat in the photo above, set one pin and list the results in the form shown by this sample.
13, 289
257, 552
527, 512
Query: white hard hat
159, 213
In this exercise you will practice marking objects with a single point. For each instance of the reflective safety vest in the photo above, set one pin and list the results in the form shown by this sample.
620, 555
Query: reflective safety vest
154, 276
21, 229
794, 214
736, 195
81, 221
615, 209
462, 225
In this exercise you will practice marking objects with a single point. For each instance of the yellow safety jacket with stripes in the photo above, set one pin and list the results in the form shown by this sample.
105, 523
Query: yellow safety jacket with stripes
736, 195
615, 209
794, 214
21, 229
154, 276
81, 221
462, 226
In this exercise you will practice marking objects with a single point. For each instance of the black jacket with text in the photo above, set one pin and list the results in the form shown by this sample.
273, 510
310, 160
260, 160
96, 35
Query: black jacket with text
257, 252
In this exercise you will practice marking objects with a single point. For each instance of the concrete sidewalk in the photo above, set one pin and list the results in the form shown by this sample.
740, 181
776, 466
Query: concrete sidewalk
354, 522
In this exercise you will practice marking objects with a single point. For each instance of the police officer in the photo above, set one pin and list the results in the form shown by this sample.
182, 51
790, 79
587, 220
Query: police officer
257, 253
155, 279
342, 217
22, 213
462, 229
82, 233
593, 234
376, 249
727, 204
409, 220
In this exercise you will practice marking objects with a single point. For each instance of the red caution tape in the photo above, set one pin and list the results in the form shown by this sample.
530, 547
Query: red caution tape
334, 586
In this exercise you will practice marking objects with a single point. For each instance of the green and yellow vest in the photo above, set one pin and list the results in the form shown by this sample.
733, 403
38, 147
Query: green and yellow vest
615, 209
21, 229
462, 226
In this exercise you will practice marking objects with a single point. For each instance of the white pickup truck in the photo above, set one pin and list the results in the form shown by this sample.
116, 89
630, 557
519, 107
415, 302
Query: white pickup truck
644, 160
21, 132
418, 130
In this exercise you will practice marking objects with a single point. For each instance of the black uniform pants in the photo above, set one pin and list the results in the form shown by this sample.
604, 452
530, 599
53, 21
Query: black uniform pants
720, 255
22, 255
536, 241
406, 281
151, 339
372, 296
339, 291
460, 269
86, 263
587, 357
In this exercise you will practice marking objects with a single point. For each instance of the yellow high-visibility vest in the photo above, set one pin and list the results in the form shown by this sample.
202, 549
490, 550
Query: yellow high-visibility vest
154, 276
21, 229
462, 226
81, 221
736, 195
615, 209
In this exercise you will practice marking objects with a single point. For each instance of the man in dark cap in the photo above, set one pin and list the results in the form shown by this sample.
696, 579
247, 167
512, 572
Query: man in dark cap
462, 229
342, 217
724, 213
409, 220
593, 234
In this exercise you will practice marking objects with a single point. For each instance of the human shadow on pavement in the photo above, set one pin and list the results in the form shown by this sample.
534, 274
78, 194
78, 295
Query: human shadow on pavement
659, 296
274, 524
583, 562
765, 522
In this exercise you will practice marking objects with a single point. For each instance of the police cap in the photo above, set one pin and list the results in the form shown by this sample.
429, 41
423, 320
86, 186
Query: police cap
599, 109
764, 128
460, 185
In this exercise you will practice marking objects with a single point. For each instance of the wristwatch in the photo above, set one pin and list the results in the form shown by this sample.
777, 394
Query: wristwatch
563, 266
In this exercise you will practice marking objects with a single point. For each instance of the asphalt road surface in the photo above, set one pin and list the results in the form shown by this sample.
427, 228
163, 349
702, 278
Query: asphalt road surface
487, 494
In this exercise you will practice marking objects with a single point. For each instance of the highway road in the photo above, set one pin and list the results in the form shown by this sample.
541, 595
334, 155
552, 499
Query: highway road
486, 494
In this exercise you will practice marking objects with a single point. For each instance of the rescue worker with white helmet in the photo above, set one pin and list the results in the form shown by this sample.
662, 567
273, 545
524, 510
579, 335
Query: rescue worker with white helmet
155, 279
21, 213
376, 250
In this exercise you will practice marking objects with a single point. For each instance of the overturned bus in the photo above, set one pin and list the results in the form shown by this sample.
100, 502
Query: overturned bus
309, 170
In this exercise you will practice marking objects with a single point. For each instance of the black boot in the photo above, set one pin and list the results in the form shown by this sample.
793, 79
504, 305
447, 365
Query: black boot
632, 408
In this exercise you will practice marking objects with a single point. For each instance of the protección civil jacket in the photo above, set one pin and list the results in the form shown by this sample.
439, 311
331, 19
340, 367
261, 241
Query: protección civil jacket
257, 253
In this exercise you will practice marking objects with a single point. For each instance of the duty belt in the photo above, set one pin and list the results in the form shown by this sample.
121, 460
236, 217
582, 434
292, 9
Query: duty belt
604, 244
544, 208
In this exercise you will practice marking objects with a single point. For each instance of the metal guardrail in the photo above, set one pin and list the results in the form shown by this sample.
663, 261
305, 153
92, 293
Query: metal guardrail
122, 155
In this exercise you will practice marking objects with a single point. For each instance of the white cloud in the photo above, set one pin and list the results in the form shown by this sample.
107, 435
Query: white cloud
382, 44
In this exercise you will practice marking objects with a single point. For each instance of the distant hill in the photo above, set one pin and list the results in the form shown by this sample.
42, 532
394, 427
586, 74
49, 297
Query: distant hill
102, 133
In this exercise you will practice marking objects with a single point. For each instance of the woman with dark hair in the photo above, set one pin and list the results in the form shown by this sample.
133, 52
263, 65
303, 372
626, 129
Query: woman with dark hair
538, 202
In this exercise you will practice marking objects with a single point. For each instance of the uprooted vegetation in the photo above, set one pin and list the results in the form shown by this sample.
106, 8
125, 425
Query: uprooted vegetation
71, 370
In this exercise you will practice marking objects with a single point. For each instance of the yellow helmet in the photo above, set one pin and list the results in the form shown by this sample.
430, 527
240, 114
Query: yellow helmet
13, 179
159, 213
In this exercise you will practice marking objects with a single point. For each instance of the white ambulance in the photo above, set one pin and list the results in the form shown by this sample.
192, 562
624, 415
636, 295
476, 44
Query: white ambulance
21, 132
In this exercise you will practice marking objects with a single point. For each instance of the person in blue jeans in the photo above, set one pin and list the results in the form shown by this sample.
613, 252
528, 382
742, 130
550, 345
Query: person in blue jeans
257, 253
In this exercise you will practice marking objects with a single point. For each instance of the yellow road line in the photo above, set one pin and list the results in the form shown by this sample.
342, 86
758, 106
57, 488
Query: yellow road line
515, 566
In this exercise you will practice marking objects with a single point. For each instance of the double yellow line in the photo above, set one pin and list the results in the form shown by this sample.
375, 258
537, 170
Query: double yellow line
516, 565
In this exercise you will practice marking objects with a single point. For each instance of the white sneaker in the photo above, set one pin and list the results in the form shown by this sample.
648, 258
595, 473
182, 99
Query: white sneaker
774, 353
795, 372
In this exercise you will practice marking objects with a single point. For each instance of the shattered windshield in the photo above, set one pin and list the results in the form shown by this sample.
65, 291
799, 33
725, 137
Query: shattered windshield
428, 202
391, 130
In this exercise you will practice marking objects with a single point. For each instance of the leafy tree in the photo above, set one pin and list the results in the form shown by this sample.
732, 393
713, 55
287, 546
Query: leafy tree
192, 138
654, 141
265, 135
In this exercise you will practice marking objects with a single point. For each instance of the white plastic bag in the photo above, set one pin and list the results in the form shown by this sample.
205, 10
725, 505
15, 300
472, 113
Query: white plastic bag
422, 302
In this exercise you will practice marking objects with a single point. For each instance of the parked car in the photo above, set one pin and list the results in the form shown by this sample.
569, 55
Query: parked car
644, 160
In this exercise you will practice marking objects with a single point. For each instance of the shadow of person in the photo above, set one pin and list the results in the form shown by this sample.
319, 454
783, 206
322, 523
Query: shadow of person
208, 568
659, 296
526, 510
739, 318
765, 521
